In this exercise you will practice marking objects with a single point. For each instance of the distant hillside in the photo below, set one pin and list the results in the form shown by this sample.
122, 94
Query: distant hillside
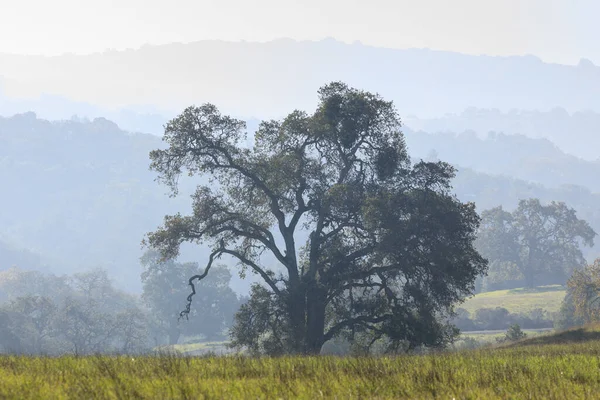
79, 193
269, 79
518, 156
576, 133
53, 107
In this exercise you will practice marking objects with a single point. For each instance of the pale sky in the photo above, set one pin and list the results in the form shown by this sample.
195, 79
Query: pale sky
560, 31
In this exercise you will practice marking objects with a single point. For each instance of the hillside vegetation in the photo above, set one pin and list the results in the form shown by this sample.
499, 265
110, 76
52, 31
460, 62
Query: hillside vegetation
589, 334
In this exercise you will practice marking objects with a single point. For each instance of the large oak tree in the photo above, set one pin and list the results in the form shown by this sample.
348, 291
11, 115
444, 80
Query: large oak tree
364, 241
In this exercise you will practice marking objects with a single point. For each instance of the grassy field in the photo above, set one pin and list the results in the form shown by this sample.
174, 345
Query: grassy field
559, 366
197, 347
523, 300
491, 337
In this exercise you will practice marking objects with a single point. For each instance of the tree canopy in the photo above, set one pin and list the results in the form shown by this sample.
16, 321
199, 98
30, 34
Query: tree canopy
363, 240
542, 242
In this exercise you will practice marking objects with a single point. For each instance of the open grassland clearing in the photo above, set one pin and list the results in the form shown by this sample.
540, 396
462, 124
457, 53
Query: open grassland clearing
558, 366
489, 337
196, 348
523, 300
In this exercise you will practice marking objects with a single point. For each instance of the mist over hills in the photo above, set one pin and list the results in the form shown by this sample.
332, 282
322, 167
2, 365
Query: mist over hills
535, 160
56, 108
434, 91
270, 79
79, 193
576, 133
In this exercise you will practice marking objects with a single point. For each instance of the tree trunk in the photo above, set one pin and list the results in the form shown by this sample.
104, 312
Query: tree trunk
530, 268
297, 312
315, 320
529, 280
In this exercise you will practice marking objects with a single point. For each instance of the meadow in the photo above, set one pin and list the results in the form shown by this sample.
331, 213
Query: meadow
521, 300
558, 366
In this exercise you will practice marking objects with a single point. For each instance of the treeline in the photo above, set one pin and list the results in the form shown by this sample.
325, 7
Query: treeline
42, 313
80, 314
500, 318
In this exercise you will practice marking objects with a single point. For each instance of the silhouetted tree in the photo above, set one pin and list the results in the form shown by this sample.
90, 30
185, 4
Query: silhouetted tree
389, 248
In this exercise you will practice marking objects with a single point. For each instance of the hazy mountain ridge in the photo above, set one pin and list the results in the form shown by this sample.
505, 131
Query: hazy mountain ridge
576, 133
77, 190
270, 79
536, 160
59, 108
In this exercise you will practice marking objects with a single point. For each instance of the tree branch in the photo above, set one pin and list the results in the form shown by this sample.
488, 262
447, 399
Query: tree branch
336, 329
213, 255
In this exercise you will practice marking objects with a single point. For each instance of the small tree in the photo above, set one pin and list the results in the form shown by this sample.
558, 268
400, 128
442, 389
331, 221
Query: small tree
132, 334
164, 289
584, 293
513, 333
540, 241
568, 316
363, 241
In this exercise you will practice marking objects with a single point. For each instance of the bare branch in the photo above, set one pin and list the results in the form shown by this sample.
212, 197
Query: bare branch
255, 267
213, 255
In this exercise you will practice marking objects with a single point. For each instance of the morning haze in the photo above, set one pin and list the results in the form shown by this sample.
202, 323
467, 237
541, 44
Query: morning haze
436, 189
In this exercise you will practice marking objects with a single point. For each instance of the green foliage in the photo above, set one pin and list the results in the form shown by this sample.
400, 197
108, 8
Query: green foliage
513, 334
389, 249
262, 324
543, 242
